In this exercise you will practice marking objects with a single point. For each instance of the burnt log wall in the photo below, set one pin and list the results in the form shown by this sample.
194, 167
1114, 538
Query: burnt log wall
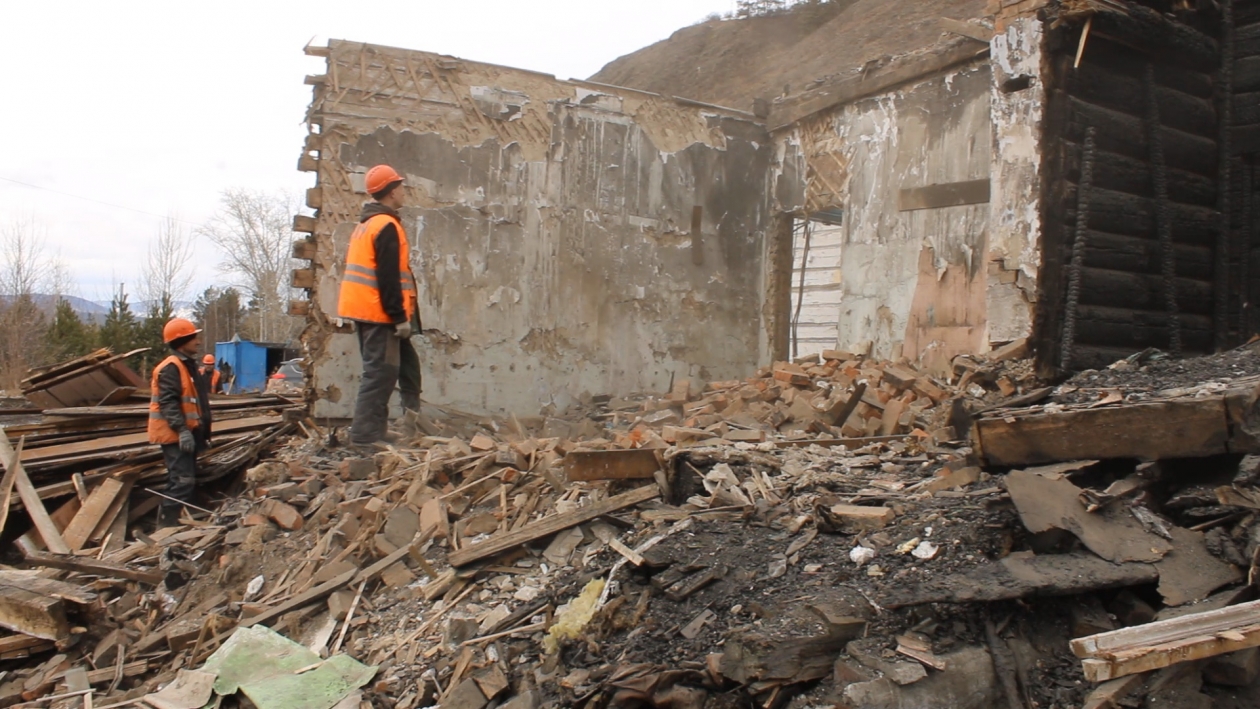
1244, 261
1147, 89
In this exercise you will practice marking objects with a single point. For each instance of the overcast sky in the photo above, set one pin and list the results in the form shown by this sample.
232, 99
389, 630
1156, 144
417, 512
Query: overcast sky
153, 108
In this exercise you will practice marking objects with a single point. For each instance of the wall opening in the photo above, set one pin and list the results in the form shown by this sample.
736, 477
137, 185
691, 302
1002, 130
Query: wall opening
817, 241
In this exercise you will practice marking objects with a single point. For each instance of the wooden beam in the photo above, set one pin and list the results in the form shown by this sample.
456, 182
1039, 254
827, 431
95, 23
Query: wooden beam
33, 614
952, 194
1175, 428
98, 503
967, 29
94, 567
550, 525
1152, 646
634, 464
30, 498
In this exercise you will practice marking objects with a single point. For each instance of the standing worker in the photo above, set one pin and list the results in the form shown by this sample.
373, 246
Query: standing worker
179, 416
378, 293
216, 377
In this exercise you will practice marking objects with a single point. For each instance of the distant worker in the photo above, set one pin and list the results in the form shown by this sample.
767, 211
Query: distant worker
378, 293
179, 416
216, 377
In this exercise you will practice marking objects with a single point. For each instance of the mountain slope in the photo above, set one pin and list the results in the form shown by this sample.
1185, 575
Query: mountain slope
732, 62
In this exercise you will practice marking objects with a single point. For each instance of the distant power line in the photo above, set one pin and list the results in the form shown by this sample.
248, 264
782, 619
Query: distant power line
92, 199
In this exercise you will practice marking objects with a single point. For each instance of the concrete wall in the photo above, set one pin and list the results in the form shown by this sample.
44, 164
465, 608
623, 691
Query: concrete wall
913, 282
551, 229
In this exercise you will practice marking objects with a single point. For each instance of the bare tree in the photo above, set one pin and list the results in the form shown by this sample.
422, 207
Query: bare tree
23, 275
167, 273
26, 264
253, 230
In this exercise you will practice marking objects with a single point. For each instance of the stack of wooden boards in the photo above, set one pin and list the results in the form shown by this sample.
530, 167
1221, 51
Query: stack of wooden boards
97, 379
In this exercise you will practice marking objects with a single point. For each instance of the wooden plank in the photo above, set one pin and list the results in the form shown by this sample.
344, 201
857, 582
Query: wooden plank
1178, 428
16, 647
30, 499
966, 29
33, 614
10, 479
116, 508
302, 599
99, 501
550, 525
1163, 643
137, 439
94, 567
31, 581
634, 464
952, 194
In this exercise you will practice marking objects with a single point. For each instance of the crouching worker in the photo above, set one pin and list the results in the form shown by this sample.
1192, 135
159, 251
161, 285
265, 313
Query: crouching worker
179, 416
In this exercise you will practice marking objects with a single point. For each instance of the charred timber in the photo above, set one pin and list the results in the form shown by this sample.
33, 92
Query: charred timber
1122, 133
1121, 173
1122, 60
1120, 252
1149, 31
1138, 329
1102, 87
1142, 291
1133, 215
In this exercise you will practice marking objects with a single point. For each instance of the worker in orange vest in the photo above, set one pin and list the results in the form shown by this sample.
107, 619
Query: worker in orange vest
214, 375
378, 293
179, 416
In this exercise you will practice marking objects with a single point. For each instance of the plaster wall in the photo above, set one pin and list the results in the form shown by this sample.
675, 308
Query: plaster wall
552, 230
913, 283
1015, 249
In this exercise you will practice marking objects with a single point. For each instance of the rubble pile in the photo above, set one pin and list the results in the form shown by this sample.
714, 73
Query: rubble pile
749, 543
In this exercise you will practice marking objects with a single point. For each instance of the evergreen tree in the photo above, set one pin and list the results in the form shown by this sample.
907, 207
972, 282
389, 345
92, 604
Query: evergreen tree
221, 315
149, 332
120, 331
69, 337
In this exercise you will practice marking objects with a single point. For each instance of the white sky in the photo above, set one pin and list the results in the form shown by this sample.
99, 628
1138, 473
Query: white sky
158, 106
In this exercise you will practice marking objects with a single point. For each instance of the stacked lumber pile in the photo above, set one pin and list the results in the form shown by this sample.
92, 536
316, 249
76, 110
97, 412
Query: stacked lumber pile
99, 378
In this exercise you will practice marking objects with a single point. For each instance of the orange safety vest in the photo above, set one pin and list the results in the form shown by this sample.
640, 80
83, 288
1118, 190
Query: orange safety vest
159, 430
360, 298
214, 376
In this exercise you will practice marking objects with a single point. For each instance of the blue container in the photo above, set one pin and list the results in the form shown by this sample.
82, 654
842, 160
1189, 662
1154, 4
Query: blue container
251, 362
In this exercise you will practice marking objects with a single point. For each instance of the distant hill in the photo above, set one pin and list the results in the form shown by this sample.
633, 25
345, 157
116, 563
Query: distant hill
95, 311
732, 62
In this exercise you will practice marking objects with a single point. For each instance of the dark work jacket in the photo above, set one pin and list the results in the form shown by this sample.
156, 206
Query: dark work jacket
171, 393
388, 269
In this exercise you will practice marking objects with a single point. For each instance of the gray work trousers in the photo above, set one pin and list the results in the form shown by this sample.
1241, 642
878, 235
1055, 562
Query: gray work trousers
181, 480
388, 362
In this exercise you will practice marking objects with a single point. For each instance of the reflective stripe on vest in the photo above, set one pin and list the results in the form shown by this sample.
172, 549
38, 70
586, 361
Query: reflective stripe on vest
360, 296
160, 431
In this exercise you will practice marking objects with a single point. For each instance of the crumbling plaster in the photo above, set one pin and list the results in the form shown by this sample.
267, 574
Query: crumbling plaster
859, 156
1014, 258
551, 225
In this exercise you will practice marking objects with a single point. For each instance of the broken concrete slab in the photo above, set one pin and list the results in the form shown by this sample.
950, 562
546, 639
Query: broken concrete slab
1047, 503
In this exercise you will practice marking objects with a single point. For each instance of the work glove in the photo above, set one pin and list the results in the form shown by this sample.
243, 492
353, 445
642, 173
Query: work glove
187, 443
403, 330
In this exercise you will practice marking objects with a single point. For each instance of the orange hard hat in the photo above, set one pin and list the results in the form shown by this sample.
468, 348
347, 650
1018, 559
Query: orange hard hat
208, 359
178, 328
381, 177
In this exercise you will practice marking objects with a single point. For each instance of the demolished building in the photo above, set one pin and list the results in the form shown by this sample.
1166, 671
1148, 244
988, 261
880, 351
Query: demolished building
1048, 170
